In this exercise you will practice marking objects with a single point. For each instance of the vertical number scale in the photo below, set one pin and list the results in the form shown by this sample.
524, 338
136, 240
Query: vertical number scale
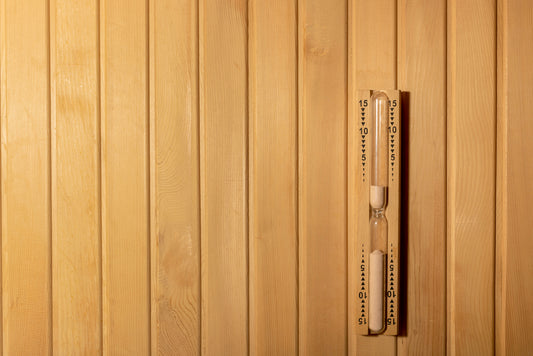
362, 175
363, 132
393, 211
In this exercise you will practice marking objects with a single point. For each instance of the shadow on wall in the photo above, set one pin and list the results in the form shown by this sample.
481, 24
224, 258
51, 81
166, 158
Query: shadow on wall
404, 211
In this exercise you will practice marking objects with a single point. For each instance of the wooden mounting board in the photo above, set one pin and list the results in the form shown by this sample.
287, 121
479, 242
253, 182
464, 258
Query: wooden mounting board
362, 214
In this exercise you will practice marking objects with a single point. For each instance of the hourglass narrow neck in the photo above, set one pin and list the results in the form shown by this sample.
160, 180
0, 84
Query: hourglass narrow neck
378, 230
378, 213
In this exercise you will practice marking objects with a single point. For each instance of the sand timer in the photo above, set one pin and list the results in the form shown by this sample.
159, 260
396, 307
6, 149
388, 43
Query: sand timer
379, 177
376, 159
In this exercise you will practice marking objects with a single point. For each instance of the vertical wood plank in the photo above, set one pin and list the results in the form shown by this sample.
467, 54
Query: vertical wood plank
322, 66
422, 73
273, 178
502, 195
3, 124
471, 176
26, 240
372, 65
514, 239
76, 254
374, 40
175, 195
125, 252
224, 171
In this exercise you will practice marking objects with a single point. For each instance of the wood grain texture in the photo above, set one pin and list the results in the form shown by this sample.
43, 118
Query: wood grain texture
373, 35
514, 240
322, 90
502, 196
76, 254
273, 178
124, 129
372, 65
175, 177
422, 73
471, 176
25, 126
224, 175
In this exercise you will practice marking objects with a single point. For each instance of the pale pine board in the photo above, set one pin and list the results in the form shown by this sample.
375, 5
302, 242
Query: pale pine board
174, 164
515, 239
322, 90
124, 129
373, 40
422, 73
502, 196
471, 151
25, 126
76, 255
224, 175
273, 253
372, 65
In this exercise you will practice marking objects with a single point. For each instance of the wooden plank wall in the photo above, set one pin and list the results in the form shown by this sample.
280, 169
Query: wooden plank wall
124, 177
273, 125
471, 140
176, 177
25, 178
76, 177
422, 73
322, 99
515, 173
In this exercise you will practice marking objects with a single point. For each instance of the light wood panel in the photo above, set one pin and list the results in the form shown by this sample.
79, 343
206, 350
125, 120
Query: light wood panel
76, 255
373, 37
500, 292
124, 130
514, 308
224, 175
372, 65
322, 90
175, 194
422, 73
25, 126
273, 178
502, 203
471, 176
143, 142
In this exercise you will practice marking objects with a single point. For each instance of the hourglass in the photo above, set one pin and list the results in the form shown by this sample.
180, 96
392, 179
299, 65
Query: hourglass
377, 190
379, 173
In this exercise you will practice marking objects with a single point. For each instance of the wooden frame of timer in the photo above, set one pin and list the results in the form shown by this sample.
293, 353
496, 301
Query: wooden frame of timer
359, 142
